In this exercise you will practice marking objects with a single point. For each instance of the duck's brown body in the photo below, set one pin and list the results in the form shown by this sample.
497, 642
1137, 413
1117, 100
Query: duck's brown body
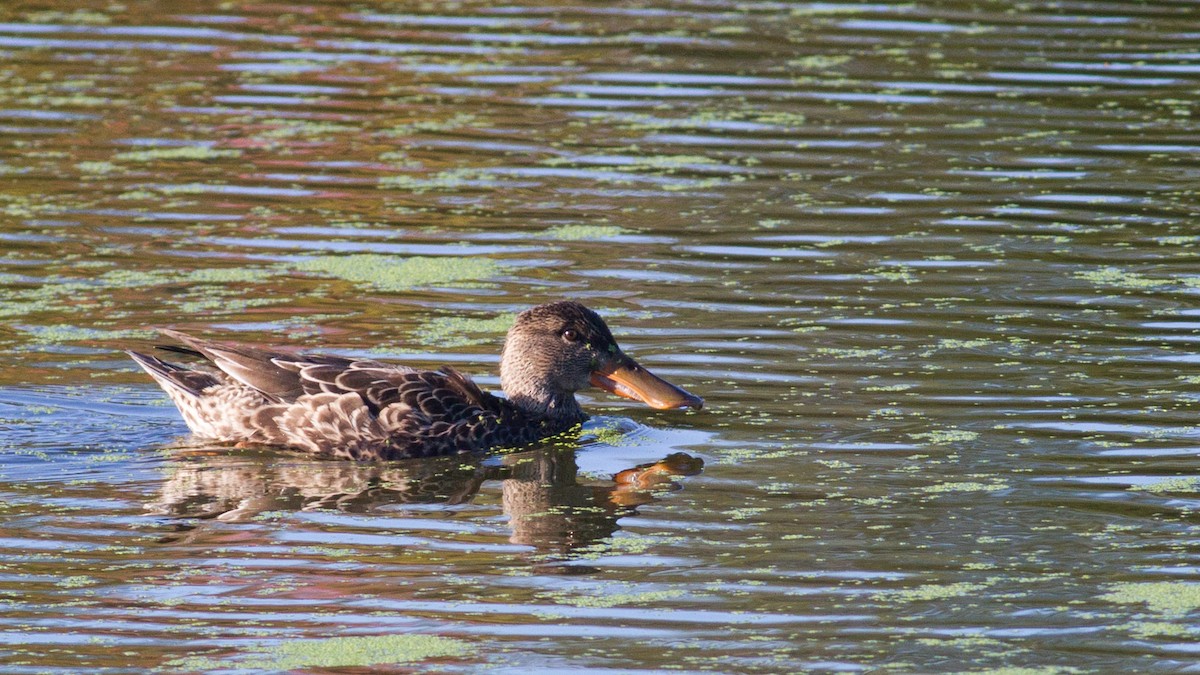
361, 409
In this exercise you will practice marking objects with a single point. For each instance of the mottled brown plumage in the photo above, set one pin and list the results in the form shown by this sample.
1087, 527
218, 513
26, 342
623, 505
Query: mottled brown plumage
362, 409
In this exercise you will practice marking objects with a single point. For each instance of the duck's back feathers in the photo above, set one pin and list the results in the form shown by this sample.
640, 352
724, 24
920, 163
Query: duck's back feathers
336, 406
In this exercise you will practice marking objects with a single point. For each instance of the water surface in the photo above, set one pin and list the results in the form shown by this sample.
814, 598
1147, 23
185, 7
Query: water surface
932, 266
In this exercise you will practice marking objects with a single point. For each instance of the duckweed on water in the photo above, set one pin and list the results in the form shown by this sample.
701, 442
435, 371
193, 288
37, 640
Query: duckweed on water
79, 16
453, 331
1172, 599
931, 592
60, 333
945, 436
1014, 670
451, 179
220, 275
965, 486
614, 436
386, 273
189, 152
1119, 278
584, 232
342, 652
1152, 629
623, 599
1180, 484
97, 168
285, 128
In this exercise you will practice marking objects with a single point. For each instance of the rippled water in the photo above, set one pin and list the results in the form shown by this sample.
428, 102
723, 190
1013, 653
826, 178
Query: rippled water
933, 266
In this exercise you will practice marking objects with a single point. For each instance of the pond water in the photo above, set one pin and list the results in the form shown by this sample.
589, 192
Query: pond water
933, 266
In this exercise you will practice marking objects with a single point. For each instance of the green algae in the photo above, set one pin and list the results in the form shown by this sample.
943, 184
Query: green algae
207, 287
945, 436
451, 179
72, 101
456, 121
930, 592
890, 387
1154, 629
208, 275
1019, 670
1180, 484
1124, 279
624, 543
340, 652
584, 232
60, 333
309, 129
819, 62
613, 435
387, 273
965, 486
454, 331
188, 152
78, 17
97, 168
1171, 599
622, 599
224, 303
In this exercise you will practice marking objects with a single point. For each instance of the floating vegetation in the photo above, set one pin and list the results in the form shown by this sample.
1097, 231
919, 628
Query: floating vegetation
819, 62
224, 303
79, 17
852, 353
622, 599
60, 333
937, 291
187, 152
930, 592
965, 486
612, 434
452, 179
341, 652
1180, 484
97, 168
584, 232
1119, 278
51, 291
387, 273
1158, 629
454, 331
1172, 599
1019, 670
296, 128
945, 436
207, 275
456, 121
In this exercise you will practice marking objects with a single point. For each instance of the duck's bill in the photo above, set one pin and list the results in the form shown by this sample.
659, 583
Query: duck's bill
627, 378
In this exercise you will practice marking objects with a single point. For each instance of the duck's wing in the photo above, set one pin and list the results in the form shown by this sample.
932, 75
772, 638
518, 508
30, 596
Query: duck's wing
382, 413
284, 377
362, 409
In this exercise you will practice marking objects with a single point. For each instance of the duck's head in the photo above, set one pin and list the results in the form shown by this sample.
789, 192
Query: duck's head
557, 349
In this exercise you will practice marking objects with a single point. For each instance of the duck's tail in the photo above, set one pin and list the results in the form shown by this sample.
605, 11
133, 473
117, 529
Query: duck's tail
172, 377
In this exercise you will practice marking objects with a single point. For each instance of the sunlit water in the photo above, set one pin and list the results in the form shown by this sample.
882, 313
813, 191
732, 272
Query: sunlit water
933, 268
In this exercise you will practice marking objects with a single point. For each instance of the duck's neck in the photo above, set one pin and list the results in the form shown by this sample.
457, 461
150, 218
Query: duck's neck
561, 410
527, 378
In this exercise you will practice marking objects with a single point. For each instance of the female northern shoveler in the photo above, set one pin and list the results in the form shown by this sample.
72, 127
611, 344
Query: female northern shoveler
359, 409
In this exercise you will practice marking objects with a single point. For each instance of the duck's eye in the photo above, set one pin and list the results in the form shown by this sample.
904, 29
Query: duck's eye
570, 335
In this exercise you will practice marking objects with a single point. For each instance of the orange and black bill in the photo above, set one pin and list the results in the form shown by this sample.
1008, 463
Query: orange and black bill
624, 377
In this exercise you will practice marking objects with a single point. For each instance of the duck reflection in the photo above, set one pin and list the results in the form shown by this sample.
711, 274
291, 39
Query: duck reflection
550, 506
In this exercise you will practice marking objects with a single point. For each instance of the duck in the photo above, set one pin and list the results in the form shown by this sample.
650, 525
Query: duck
360, 409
